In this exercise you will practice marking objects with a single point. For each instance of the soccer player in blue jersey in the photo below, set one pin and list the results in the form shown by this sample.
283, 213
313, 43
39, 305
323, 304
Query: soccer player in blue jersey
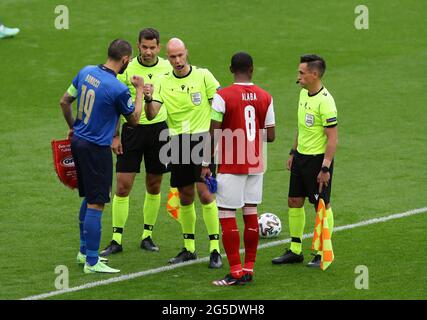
101, 98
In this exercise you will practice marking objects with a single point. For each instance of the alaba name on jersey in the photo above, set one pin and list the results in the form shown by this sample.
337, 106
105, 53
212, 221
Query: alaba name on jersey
244, 110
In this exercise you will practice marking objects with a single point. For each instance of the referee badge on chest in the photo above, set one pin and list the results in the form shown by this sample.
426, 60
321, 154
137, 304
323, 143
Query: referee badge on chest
196, 98
309, 120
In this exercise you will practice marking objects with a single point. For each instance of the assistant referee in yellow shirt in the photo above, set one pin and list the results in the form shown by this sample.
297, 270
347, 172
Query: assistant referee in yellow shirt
311, 157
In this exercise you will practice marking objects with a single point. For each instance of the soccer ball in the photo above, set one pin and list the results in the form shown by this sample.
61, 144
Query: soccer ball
269, 225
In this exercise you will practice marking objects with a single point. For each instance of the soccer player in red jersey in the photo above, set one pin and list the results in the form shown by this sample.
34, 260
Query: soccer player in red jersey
241, 114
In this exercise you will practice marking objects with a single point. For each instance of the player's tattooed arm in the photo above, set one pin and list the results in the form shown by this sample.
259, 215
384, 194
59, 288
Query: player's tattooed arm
116, 146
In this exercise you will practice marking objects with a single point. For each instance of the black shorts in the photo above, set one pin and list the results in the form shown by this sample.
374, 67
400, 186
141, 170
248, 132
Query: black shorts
303, 182
143, 141
94, 165
186, 159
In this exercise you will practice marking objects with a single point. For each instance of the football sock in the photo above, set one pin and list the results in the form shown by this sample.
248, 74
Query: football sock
251, 237
236, 271
151, 211
210, 216
92, 231
188, 226
296, 228
82, 215
120, 212
231, 242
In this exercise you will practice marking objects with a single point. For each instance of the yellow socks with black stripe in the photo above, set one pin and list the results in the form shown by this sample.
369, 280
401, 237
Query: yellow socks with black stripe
187, 219
210, 216
296, 228
120, 212
151, 211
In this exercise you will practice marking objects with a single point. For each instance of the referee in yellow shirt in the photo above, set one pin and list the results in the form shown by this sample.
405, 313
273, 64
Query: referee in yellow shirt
186, 94
137, 144
311, 158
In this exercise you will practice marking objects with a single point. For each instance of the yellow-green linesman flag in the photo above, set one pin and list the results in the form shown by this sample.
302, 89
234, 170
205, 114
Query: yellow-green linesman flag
322, 237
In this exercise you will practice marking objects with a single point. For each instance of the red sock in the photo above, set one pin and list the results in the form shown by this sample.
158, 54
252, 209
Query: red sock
251, 236
231, 242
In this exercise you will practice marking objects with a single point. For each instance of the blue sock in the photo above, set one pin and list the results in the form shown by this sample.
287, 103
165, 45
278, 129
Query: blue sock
82, 215
92, 232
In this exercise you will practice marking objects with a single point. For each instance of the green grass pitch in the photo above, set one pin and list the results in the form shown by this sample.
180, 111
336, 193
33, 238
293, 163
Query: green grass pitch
377, 77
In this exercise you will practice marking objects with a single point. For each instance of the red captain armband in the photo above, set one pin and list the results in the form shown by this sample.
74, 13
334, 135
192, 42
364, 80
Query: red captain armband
63, 162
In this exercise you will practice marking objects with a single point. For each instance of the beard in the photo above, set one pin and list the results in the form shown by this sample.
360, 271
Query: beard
123, 68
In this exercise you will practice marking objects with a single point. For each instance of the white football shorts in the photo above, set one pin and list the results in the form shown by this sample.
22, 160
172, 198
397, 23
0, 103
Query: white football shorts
234, 190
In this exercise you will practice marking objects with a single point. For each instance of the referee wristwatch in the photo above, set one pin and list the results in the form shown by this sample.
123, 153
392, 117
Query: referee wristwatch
325, 169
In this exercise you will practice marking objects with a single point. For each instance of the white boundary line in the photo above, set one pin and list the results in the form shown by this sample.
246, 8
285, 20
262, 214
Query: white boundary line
171, 267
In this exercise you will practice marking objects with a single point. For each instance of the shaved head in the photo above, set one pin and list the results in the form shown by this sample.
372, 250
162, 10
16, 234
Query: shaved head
177, 55
175, 43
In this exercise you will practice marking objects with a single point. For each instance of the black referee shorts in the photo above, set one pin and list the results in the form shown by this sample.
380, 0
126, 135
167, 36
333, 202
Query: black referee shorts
94, 165
143, 141
186, 159
303, 181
